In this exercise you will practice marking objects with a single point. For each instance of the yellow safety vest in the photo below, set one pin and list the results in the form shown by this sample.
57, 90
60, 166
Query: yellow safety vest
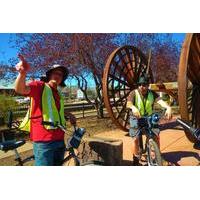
50, 112
145, 108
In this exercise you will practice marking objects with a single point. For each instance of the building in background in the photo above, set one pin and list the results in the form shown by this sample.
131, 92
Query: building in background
79, 95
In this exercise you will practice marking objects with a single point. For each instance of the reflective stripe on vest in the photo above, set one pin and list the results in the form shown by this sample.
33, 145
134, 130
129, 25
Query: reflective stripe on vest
147, 108
50, 112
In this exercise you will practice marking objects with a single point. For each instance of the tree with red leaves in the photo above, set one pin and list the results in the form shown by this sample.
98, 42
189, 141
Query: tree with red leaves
83, 54
165, 53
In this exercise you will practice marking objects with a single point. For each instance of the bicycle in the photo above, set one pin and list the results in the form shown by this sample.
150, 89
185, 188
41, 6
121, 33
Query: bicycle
150, 148
12, 145
194, 131
72, 143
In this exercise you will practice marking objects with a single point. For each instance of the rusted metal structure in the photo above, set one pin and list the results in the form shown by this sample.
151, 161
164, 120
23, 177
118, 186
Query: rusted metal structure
171, 88
123, 68
122, 71
126, 64
189, 81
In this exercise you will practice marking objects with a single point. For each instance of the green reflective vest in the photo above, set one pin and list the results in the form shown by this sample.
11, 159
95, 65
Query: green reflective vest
145, 107
50, 112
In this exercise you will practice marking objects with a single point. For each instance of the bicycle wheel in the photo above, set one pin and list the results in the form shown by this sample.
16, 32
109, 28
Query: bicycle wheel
70, 160
93, 163
153, 153
28, 161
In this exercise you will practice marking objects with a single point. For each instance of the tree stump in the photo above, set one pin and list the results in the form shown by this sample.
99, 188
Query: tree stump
109, 151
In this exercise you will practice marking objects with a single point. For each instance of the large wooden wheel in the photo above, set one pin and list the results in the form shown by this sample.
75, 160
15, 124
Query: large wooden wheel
189, 81
123, 68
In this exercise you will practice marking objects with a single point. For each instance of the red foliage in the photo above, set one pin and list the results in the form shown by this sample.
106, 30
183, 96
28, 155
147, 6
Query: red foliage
81, 53
165, 54
87, 53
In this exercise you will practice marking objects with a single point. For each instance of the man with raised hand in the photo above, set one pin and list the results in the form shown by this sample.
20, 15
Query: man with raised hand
46, 105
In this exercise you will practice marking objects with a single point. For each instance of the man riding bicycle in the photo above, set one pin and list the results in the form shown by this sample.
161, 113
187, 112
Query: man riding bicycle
141, 102
46, 105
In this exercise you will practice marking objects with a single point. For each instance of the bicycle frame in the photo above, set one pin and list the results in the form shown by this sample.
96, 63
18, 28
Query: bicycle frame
195, 132
19, 160
146, 126
149, 134
69, 147
71, 155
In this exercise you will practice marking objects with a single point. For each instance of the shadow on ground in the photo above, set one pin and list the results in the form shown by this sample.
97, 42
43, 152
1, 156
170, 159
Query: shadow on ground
176, 156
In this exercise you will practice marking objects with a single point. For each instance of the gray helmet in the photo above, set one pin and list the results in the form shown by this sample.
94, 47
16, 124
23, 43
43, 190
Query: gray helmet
61, 67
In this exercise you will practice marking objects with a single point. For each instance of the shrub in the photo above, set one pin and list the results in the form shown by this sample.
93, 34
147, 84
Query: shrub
6, 103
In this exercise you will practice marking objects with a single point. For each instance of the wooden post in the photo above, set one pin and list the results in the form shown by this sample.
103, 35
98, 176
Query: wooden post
83, 109
149, 61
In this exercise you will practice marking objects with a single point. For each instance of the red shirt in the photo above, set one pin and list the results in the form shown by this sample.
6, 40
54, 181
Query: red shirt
37, 130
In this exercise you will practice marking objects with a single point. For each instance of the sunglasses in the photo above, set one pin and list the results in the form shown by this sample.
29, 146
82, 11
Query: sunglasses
57, 73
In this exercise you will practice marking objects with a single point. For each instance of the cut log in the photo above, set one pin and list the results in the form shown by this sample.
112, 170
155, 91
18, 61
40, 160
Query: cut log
109, 151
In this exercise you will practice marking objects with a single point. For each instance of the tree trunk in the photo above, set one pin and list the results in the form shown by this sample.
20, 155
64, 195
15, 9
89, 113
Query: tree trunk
109, 151
100, 112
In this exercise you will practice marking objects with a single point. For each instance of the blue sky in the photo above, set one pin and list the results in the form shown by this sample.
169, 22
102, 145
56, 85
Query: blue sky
179, 36
7, 51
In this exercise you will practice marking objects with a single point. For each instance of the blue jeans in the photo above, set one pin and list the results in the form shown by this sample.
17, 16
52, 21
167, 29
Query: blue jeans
133, 126
49, 153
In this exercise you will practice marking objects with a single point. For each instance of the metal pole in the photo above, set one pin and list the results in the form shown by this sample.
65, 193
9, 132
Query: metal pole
70, 91
184, 124
149, 61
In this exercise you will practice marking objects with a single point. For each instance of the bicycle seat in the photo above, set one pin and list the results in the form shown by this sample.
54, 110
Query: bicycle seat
11, 145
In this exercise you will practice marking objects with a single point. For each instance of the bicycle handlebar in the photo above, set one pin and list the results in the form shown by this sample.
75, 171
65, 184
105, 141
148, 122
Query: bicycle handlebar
147, 121
54, 124
75, 139
194, 131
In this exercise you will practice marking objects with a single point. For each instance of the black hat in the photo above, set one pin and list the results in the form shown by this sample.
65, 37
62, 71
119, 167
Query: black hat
143, 79
43, 78
62, 68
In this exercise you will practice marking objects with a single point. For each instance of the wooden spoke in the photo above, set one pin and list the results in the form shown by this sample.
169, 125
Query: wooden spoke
122, 71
